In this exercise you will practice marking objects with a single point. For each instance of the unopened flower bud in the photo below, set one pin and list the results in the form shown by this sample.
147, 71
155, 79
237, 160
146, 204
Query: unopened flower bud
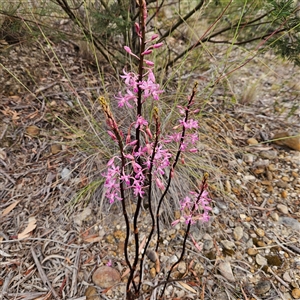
148, 131
127, 49
146, 52
154, 36
149, 63
159, 184
155, 46
137, 28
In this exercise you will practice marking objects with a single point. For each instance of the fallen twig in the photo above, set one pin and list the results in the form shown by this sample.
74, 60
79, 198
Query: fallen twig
43, 274
75, 273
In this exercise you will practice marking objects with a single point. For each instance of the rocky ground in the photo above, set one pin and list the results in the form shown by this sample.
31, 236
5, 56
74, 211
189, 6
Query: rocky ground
51, 241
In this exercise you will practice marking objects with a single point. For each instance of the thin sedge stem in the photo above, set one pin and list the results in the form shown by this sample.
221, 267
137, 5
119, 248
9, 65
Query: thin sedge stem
203, 187
174, 164
181, 20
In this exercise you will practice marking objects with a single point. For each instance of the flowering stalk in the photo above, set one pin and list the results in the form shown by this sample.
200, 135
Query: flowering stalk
185, 123
191, 217
145, 159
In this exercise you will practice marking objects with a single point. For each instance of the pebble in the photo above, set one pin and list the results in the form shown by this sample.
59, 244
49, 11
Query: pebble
248, 158
32, 130
290, 222
152, 272
291, 142
260, 232
226, 271
228, 244
282, 184
286, 276
296, 293
152, 255
284, 194
106, 277
261, 244
260, 260
208, 245
227, 186
249, 178
252, 251
283, 208
238, 233
182, 267
262, 287
65, 174
252, 141
275, 216
272, 167
55, 148
269, 154
91, 293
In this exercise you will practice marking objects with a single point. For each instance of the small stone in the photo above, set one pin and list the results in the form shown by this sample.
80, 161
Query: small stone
286, 276
152, 255
261, 244
284, 139
249, 178
208, 245
272, 167
296, 293
56, 148
238, 233
228, 244
285, 178
227, 186
226, 271
182, 267
266, 182
283, 208
290, 222
243, 216
259, 171
91, 293
284, 194
282, 184
249, 158
262, 287
252, 251
152, 272
295, 174
252, 141
260, 260
32, 131
65, 174
269, 154
106, 277
260, 232
274, 216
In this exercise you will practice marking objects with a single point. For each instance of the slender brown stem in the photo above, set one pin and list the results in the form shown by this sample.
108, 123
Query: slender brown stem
157, 133
142, 7
203, 187
191, 99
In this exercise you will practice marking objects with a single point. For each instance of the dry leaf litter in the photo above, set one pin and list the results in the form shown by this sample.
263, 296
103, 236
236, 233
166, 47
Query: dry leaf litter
52, 247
